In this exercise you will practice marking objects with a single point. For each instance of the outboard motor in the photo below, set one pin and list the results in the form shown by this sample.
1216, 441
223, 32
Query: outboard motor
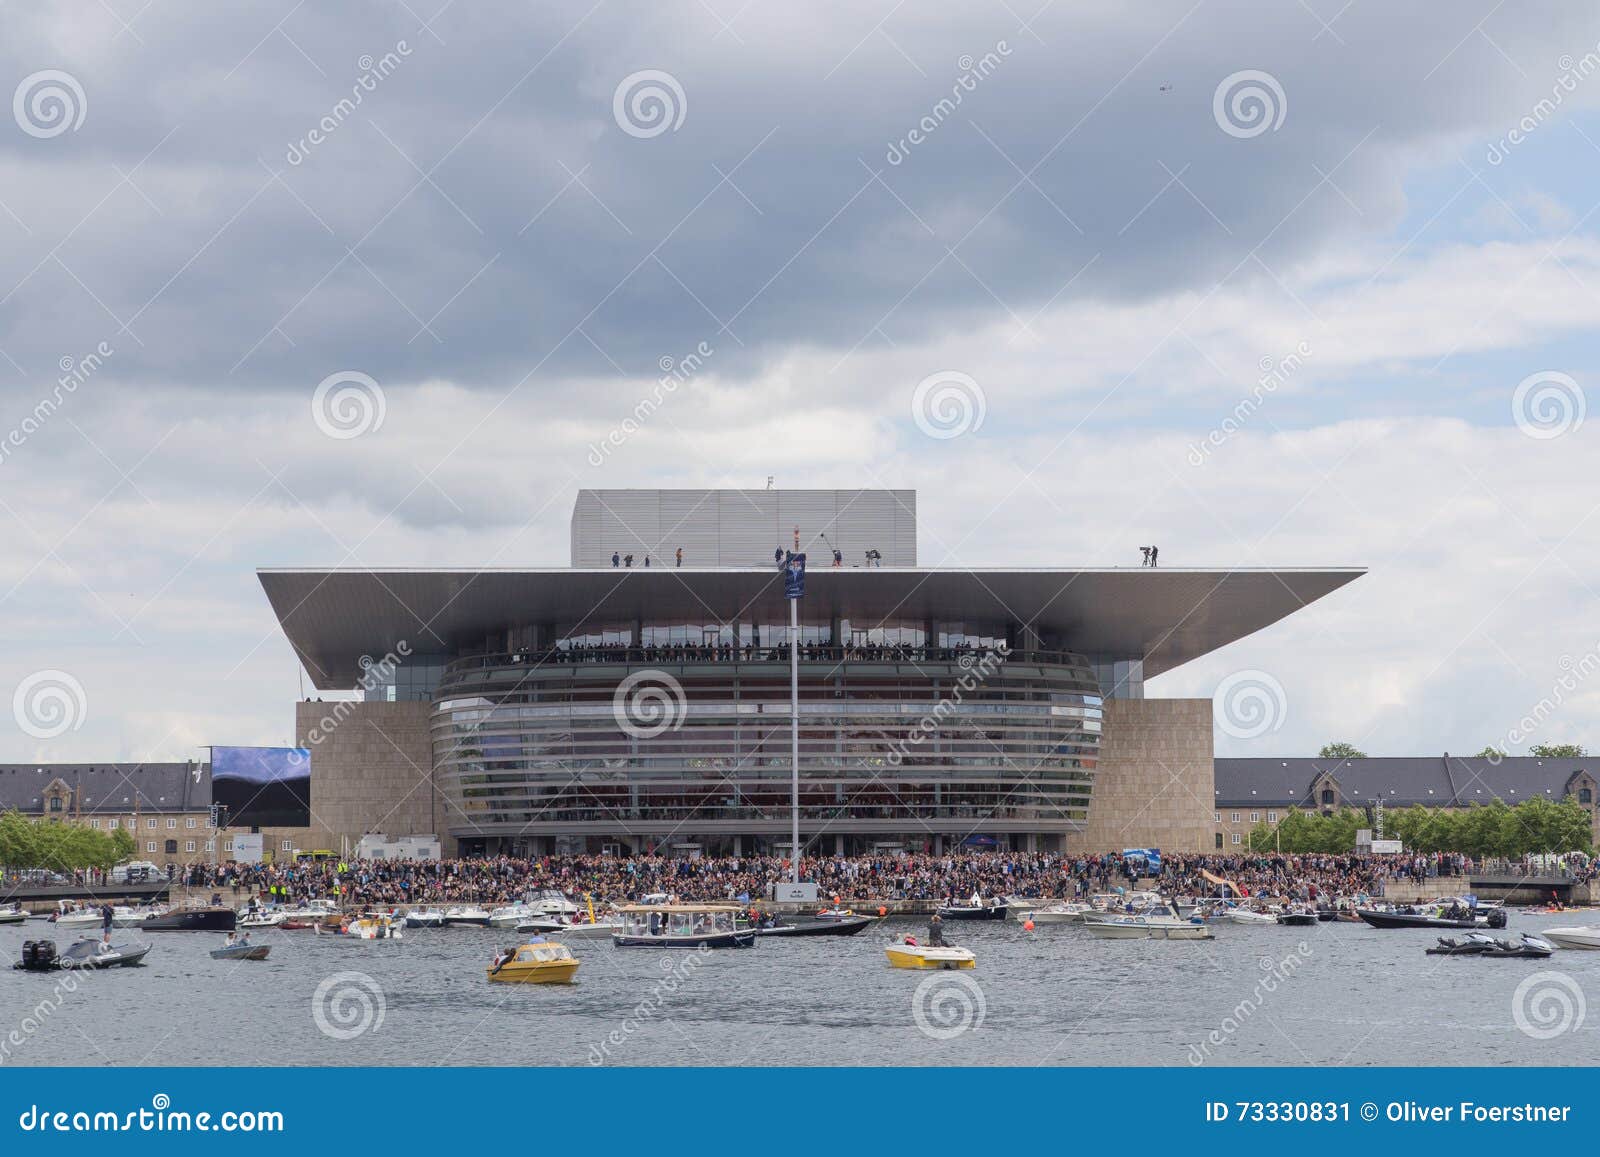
38, 955
1497, 918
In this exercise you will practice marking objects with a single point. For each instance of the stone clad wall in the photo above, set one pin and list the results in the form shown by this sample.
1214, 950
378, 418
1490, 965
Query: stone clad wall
371, 771
1154, 786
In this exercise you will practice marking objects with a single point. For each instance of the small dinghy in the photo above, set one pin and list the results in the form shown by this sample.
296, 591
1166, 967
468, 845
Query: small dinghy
94, 954
241, 952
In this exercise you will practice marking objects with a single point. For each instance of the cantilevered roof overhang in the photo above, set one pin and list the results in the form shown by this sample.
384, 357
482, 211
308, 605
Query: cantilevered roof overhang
1168, 616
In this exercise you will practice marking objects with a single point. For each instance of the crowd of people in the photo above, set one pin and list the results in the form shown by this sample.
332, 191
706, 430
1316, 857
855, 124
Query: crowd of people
884, 877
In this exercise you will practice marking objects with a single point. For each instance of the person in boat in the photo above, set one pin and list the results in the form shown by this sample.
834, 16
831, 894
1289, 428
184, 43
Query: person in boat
106, 915
500, 961
233, 939
935, 931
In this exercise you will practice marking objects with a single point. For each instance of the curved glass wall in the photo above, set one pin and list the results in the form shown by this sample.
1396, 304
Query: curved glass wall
686, 742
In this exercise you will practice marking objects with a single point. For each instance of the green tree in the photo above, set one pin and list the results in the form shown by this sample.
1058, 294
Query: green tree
1341, 750
1558, 750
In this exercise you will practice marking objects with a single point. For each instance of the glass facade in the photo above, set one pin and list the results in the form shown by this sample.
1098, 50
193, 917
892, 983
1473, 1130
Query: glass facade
680, 739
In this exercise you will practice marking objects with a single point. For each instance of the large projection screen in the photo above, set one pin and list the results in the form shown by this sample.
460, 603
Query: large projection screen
262, 787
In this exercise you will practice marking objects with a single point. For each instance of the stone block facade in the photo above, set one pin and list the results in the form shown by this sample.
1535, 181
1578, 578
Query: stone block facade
371, 771
1154, 785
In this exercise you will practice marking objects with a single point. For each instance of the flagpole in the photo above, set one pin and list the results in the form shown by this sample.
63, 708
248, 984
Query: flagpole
794, 734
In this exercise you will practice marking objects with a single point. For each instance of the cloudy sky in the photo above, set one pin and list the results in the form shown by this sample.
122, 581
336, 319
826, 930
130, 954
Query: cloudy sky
1288, 284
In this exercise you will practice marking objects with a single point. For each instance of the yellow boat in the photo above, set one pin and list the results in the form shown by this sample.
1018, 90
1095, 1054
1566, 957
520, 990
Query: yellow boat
539, 962
927, 956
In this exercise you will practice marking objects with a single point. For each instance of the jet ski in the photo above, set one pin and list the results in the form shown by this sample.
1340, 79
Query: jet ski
1528, 948
1472, 944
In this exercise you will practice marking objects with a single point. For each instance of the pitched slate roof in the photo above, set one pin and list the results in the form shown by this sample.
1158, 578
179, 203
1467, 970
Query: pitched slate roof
109, 787
1400, 781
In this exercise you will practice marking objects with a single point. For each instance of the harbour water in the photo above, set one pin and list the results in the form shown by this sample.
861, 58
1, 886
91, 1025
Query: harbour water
1333, 994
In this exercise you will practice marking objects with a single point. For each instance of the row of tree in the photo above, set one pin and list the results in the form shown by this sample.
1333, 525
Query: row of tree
1535, 826
1342, 750
59, 847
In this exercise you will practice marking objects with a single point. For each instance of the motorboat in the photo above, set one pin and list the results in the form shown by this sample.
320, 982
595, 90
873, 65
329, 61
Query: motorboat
71, 914
537, 962
511, 915
834, 912
1298, 917
469, 915
974, 909
424, 918
683, 926
909, 954
1576, 937
539, 926
241, 951
1250, 916
1440, 914
95, 954
1061, 912
601, 929
199, 919
792, 926
1154, 922
123, 916
13, 914
262, 918
552, 902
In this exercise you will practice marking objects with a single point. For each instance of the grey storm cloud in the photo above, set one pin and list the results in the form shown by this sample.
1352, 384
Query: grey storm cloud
262, 194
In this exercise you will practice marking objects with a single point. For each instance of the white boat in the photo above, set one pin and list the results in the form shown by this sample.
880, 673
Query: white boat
424, 918
263, 918
375, 928
469, 914
125, 917
1069, 912
1156, 922
13, 914
552, 903
583, 930
1580, 936
1250, 916
511, 915
69, 914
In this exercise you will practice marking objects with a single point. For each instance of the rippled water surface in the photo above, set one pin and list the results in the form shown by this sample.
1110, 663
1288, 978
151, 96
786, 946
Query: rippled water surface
1333, 994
